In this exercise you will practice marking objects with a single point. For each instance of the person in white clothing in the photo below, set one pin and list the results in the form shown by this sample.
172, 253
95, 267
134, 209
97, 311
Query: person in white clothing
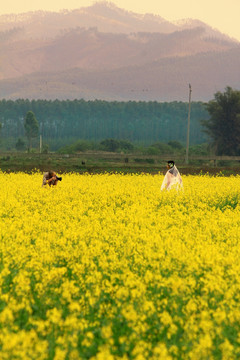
172, 179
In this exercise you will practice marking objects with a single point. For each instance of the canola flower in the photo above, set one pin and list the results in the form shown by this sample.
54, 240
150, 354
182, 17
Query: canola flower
109, 267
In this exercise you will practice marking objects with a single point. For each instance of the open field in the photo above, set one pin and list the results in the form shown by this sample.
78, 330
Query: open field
100, 162
108, 267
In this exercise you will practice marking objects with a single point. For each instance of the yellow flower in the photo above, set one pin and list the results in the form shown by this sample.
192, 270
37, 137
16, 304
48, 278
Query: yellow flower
117, 265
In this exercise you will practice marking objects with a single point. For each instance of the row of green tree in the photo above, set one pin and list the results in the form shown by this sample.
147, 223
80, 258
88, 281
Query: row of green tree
144, 122
221, 122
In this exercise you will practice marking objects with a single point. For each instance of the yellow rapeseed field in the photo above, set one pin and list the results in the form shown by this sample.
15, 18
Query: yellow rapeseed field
108, 267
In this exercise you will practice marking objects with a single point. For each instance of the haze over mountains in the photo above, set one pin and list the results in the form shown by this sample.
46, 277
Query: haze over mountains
103, 52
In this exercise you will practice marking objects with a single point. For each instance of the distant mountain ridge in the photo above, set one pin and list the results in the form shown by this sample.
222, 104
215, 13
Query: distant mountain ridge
105, 16
104, 42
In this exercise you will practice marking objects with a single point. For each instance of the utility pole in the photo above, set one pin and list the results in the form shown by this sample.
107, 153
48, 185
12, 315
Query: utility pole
188, 127
40, 144
40, 139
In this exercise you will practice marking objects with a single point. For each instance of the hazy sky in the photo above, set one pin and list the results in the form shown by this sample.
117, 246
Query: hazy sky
220, 14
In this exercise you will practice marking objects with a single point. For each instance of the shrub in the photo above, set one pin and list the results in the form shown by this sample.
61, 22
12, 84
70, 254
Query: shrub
114, 145
20, 145
175, 145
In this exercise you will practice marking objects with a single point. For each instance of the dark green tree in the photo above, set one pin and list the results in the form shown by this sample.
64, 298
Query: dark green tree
111, 145
20, 145
31, 127
175, 144
125, 145
45, 149
224, 123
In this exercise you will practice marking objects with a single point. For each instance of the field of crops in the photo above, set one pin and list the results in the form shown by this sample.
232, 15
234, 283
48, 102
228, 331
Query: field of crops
108, 267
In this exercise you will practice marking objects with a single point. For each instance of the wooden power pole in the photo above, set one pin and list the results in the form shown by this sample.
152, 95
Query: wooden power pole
40, 144
188, 126
40, 139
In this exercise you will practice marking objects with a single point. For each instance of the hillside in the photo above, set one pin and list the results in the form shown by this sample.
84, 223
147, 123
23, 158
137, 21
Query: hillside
106, 52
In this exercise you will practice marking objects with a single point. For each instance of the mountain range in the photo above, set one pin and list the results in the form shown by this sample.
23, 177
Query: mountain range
104, 52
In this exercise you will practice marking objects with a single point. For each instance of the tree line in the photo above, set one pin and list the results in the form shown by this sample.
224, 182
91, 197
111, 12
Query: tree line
145, 122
